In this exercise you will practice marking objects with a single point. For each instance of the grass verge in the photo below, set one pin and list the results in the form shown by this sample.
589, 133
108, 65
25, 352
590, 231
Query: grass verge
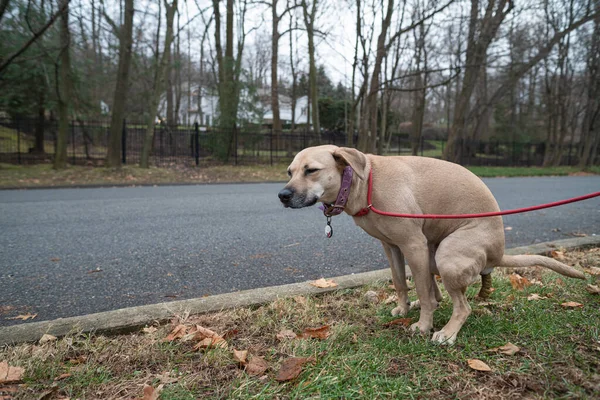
42, 175
364, 357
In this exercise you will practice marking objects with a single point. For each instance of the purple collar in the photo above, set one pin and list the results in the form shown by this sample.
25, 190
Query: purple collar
340, 203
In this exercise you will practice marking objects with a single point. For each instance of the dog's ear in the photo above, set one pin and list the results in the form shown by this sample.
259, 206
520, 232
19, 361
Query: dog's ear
354, 158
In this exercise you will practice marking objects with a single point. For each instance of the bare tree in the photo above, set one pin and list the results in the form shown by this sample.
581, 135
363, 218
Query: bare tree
125, 35
159, 84
63, 89
310, 15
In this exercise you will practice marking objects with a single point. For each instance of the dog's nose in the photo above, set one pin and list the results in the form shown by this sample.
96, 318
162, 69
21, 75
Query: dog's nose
285, 195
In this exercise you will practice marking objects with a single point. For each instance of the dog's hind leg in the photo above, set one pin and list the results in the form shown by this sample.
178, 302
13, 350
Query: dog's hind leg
397, 265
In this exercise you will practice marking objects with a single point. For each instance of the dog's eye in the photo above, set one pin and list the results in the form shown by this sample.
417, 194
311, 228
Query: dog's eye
310, 171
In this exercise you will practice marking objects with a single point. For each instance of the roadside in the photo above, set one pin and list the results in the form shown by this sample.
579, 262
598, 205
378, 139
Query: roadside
537, 334
42, 176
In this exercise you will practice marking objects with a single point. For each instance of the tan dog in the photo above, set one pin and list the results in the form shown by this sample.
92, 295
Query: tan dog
459, 250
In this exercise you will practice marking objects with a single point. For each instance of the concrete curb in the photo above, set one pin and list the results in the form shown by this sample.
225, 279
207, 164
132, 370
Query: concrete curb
128, 319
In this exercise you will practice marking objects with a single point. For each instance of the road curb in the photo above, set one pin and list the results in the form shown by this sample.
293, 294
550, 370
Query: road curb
128, 319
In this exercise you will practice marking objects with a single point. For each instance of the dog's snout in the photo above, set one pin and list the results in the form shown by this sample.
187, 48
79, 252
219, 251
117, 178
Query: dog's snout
285, 195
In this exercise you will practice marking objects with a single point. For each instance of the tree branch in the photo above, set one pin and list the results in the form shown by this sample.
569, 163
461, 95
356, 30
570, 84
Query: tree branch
35, 37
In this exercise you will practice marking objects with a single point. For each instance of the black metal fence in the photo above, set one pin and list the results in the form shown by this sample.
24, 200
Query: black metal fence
28, 141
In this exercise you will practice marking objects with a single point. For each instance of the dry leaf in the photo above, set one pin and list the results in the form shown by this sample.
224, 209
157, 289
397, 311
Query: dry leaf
316, 333
535, 296
10, 374
593, 289
202, 333
478, 365
571, 304
324, 283
592, 270
256, 366
399, 321
557, 255
508, 349
391, 299
24, 317
518, 282
47, 338
240, 356
291, 368
149, 329
151, 393
286, 334
93, 271
61, 377
300, 300
508, 228
212, 342
177, 332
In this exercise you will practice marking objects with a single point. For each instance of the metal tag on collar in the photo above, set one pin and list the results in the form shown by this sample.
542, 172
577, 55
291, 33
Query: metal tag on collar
328, 228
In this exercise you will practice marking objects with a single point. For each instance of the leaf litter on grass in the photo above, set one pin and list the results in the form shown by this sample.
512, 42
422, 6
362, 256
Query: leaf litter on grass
342, 339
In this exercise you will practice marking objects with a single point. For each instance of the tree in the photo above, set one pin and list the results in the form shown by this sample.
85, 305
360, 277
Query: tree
310, 17
158, 84
125, 35
64, 90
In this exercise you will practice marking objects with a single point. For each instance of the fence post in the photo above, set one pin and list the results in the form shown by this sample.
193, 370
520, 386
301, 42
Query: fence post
73, 140
271, 148
196, 143
124, 142
18, 142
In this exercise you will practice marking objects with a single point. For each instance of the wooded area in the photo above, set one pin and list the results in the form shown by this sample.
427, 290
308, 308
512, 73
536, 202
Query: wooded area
474, 72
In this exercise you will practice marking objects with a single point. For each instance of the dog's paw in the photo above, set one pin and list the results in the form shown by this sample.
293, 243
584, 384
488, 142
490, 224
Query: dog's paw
401, 310
419, 327
442, 338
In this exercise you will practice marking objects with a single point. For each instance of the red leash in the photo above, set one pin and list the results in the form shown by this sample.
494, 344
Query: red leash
365, 210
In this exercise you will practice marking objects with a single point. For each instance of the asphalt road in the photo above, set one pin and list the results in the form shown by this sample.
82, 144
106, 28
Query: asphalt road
66, 252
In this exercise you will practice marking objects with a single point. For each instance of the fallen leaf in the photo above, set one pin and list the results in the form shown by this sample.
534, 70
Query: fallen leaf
256, 366
93, 271
240, 356
372, 296
592, 270
518, 282
47, 338
286, 334
535, 296
571, 304
55, 259
399, 321
557, 255
300, 300
508, 349
151, 393
391, 299
508, 228
593, 289
578, 234
62, 376
324, 283
291, 368
24, 317
478, 365
149, 329
212, 342
79, 360
316, 333
178, 332
9, 374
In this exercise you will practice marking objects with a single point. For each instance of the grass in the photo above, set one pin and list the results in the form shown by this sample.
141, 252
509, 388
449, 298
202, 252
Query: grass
362, 359
18, 176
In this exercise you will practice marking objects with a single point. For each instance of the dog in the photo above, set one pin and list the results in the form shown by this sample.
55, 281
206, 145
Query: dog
458, 250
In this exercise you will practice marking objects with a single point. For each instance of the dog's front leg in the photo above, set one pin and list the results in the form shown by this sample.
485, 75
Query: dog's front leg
398, 268
417, 255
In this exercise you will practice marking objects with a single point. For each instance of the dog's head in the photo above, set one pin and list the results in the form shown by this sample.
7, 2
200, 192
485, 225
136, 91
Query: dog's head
315, 174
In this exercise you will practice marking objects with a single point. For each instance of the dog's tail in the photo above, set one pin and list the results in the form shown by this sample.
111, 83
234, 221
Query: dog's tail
522, 261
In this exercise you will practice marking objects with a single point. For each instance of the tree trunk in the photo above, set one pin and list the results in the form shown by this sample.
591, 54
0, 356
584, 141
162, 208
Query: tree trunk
64, 91
277, 127
38, 147
158, 87
309, 21
113, 157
